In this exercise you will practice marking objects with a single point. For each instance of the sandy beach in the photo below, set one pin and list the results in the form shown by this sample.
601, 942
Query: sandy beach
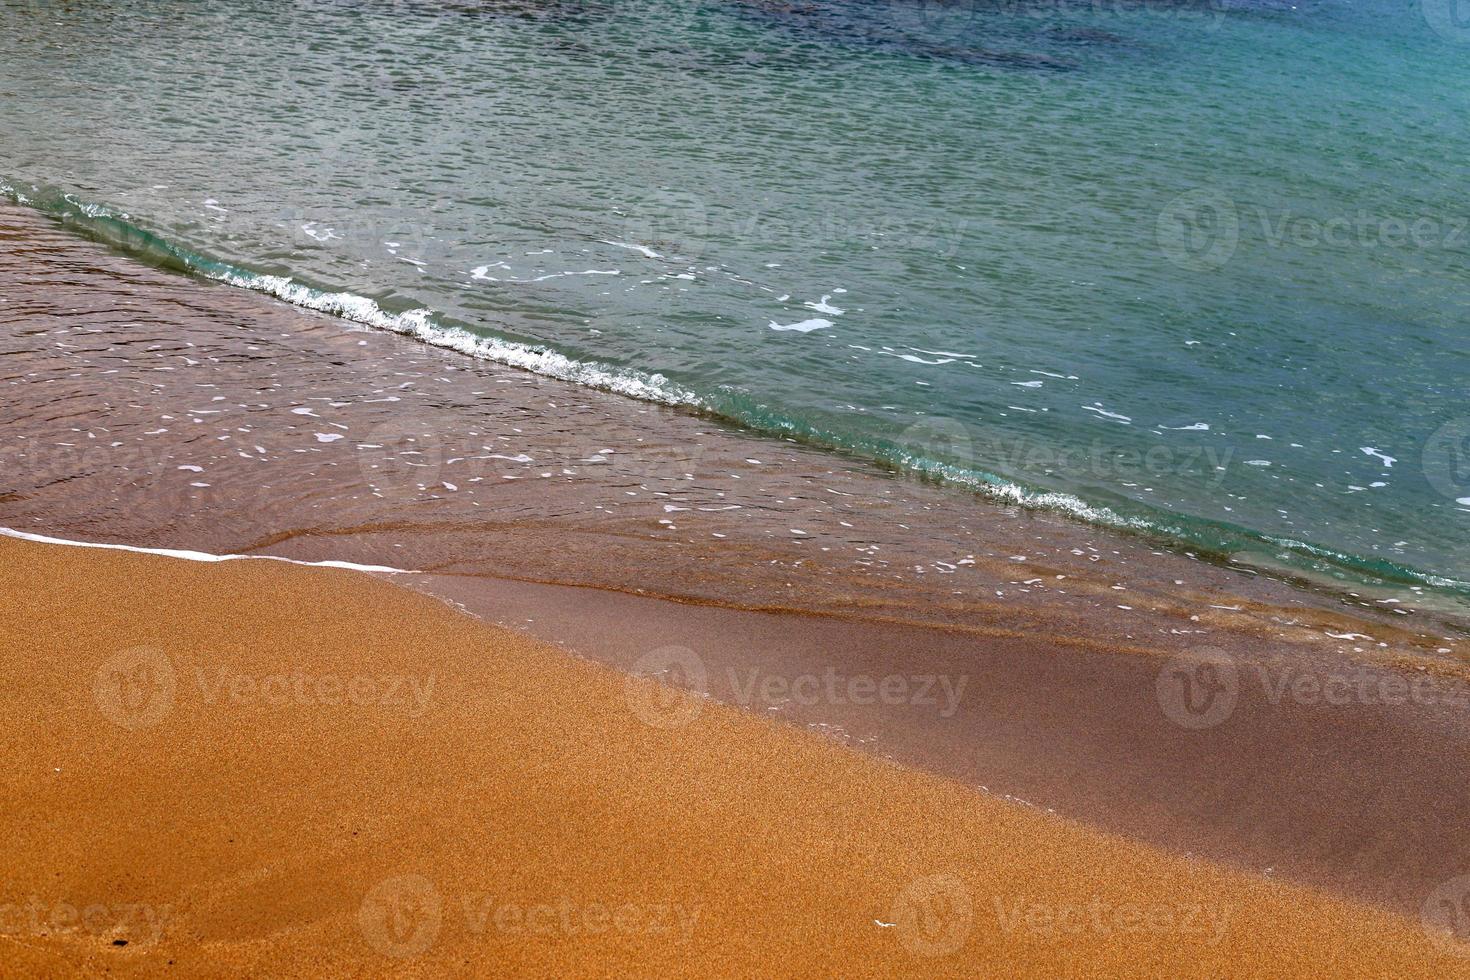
1034, 660
254, 767
839, 488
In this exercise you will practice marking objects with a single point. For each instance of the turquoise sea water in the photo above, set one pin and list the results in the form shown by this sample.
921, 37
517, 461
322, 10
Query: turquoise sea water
1197, 269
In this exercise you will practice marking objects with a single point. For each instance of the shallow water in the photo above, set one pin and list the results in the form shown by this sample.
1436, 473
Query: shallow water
1197, 269
149, 409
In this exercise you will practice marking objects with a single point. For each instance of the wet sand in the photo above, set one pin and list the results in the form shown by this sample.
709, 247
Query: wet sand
252, 767
1060, 660
1280, 777
151, 408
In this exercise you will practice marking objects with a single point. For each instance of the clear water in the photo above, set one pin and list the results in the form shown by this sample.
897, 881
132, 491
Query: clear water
1195, 269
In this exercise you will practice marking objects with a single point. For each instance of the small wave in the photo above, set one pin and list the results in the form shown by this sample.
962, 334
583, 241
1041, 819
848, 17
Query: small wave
1225, 541
421, 324
116, 229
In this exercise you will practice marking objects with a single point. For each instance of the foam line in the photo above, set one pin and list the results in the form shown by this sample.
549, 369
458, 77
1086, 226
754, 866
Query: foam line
203, 556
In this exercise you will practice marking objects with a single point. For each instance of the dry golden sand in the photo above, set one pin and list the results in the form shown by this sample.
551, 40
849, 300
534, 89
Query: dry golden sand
529, 819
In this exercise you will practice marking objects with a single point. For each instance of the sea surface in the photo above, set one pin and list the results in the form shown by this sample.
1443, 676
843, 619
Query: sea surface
1197, 270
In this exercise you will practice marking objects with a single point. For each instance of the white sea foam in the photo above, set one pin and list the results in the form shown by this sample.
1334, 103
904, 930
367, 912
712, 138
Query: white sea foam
822, 306
420, 324
805, 326
647, 252
1105, 413
1388, 461
483, 271
194, 555
944, 353
1011, 493
322, 234
916, 359
563, 275
480, 272
1068, 504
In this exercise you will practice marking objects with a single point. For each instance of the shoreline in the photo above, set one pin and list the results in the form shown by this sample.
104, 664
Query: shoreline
236, 424
503, 803
468, 466
1278, 775
1336, 583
